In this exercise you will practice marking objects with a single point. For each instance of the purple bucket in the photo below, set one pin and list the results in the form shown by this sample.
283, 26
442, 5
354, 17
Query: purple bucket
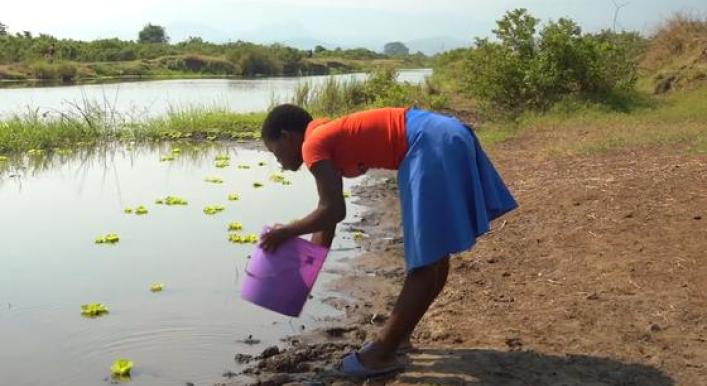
282, 280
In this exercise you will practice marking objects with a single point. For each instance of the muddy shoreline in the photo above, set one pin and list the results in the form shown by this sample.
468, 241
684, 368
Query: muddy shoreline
368, 288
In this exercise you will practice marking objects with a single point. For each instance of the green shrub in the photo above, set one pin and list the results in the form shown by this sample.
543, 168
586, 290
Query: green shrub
527, 69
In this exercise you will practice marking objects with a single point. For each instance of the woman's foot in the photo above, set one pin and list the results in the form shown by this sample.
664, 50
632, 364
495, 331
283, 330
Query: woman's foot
374, 356
406, 347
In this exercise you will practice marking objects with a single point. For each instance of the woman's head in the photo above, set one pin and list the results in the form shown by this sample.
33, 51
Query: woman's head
283, 134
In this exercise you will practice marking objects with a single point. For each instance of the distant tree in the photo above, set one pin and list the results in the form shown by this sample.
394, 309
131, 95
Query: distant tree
3, 29
153, 34
194, 40
319, 49
396, 49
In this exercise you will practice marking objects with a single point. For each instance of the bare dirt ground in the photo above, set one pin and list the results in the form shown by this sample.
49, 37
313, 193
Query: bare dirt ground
598, 278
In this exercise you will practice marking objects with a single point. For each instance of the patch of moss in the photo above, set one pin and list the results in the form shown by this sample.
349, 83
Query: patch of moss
110, 238
213, 209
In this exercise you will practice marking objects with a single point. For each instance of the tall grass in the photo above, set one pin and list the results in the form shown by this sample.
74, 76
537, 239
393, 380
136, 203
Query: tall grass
380, 88
92, 122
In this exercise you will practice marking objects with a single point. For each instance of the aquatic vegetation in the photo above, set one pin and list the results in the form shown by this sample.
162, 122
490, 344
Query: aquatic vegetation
261, 163
221, 164
121, 367
213, 209
171, 200
176, 150
167, 158
128, 210
257, 185
63, 151
223, 157
140, 210
235, 226
156, 287
233, 197
243, 166
358, 236
92, 310
243, 239
110, 238
35, 152
3, 158
280, 179
214, 180
210, 137
347, 194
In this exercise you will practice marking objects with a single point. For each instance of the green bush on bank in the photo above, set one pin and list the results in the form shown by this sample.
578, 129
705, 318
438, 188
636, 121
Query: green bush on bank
531, 68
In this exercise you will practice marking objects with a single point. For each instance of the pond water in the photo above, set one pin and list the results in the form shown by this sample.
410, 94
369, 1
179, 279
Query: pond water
149, 98
51, 211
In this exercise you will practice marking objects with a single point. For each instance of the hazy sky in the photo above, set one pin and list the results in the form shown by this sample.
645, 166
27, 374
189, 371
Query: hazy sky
344, 22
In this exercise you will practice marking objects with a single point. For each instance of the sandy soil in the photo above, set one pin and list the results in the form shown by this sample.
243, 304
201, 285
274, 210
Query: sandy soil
599, 278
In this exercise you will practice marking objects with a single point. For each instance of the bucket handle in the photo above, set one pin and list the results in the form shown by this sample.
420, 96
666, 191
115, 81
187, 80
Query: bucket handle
272, 275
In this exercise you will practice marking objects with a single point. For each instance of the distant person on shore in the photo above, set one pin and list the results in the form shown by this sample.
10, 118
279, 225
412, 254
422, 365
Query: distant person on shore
449, 192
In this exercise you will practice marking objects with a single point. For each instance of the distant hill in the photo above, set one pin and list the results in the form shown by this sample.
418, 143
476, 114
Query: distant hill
435, 45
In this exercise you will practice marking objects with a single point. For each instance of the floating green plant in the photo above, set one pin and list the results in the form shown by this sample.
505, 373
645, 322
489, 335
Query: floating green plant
167, 158
213, 209
280, 179
156, 287
35, 152
140, 210
235, 226
210, 137
214, 180
261, 163
233, 197
93, 310
171, 200
3, 158
222, 164
121, 368
243, 239
257, 185
358, 236
176, 150
128, 210
223, 157
63, 151
110, 238
243, 166
347, 194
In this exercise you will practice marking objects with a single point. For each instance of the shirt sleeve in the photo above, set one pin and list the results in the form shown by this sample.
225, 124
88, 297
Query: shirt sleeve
316, 148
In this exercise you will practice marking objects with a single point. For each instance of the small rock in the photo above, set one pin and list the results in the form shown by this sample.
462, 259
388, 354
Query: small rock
514, 343
697, 218
593, 296
270, 351
656, 328
229, 374
243, 358
506, 274
491, 260
378, 318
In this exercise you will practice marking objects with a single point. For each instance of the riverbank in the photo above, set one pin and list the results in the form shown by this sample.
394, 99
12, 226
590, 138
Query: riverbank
180, 67
598, 278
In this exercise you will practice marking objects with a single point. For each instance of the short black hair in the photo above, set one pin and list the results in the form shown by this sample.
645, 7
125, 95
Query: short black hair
287, 117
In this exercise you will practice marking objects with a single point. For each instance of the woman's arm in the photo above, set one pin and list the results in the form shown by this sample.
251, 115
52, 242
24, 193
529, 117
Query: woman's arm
330, 210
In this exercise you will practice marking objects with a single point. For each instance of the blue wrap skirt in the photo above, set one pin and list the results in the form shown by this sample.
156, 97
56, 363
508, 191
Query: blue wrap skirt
449, 190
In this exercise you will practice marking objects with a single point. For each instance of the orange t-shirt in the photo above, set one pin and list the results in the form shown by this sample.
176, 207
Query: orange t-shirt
359, 141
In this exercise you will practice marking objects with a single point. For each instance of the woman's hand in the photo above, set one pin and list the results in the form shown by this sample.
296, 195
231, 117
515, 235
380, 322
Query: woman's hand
277, 235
